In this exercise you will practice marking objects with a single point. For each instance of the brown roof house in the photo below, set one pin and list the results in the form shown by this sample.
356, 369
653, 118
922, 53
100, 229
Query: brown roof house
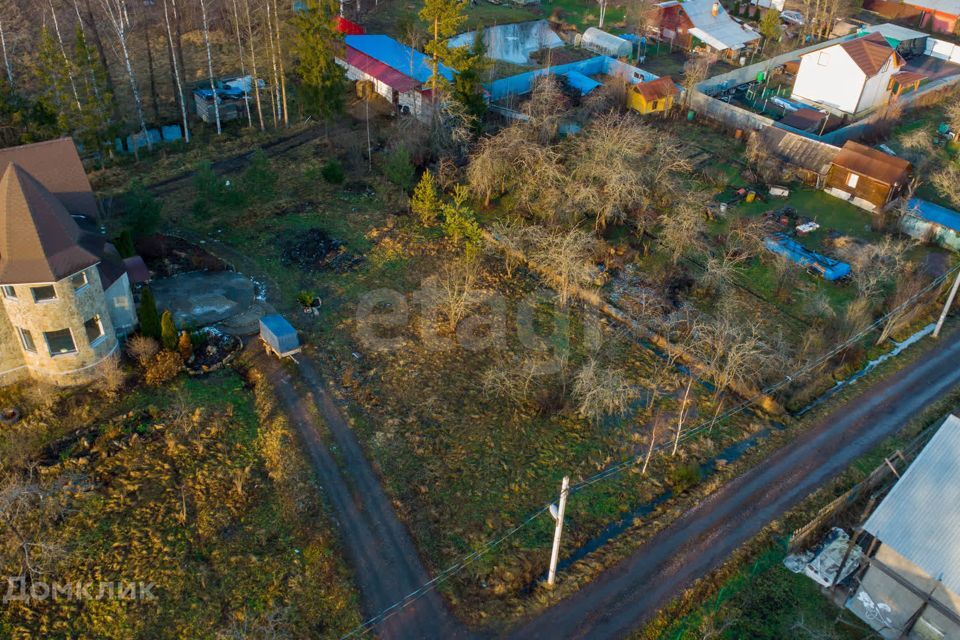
851, 77
867, 177
65, 291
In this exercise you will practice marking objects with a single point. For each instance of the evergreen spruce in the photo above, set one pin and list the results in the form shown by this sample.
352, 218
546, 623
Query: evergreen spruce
149, 318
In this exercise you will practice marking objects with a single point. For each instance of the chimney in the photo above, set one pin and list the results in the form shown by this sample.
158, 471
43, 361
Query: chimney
716, 8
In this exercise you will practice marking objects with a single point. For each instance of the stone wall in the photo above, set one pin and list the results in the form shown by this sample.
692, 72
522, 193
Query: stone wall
69, 310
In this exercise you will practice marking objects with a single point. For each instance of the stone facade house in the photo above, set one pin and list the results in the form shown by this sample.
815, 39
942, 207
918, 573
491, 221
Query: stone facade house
65, 295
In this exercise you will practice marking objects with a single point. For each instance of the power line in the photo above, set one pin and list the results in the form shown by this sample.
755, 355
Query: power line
616, 469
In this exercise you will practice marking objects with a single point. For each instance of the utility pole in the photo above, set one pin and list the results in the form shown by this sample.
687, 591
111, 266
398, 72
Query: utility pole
555, 554
946, 307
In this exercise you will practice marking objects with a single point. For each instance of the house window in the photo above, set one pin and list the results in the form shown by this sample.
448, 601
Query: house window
79, 281
852, 180
60, 342
120, 302
9, 292
26, 339
43, 294
94, 329
823, 59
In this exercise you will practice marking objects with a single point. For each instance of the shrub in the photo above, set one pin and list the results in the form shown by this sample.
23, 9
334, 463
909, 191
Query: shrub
332, 172
206, 182
185, 346
684, 476
425, 202
168, 331
110, 379
164, 367
398, 169
142, 209
124, 244
149, 318
259, 180
306, 298
142, 349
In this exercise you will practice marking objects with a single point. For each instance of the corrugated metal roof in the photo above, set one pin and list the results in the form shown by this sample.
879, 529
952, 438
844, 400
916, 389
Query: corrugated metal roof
869, 52
872, 163
920, 517
895, 31
657, 89
395, 55
934, 213
946, 6
385, 74
719, 31
798, 150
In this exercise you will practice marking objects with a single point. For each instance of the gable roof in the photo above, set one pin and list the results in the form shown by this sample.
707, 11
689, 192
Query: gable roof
870, 52
872, 163
395, 55
657, 89
382, 72
39, 240
57, 166
919, 518
719, 31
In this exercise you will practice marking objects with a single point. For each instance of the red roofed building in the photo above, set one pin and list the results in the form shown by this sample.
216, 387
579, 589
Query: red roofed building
349, 28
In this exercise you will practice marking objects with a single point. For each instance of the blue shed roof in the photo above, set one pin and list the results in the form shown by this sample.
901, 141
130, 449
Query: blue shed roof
583, 83
935, 213
793, 250
397, 56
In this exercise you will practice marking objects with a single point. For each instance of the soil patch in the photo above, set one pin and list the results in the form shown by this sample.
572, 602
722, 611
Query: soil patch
167, 255
315, 250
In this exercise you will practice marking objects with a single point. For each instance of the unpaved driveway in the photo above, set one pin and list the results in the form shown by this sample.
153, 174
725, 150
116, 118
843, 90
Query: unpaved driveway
621, 598
385, 563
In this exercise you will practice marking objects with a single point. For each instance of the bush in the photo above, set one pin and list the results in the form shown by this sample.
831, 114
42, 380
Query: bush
398, 169
164, 367
168, 332
306, 298
149, 318
142, 209
110, 378
332, 172
142, 349
185, 346
684, 476
259, 180
124, 244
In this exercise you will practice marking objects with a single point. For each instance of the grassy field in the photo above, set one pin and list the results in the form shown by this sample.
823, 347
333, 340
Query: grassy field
196, 488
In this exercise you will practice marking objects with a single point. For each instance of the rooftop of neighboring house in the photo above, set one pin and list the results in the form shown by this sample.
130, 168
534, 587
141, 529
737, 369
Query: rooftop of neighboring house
912, 518
397, 56
713, 25
657, 89
872, 163
870, 52
951, 7
42, 187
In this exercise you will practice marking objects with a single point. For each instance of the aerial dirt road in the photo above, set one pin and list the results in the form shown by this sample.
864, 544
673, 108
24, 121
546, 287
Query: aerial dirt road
623, 597
385, 563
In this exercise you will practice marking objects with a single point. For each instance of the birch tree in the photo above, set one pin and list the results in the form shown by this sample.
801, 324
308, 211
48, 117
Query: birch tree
115, 12
273, 65
255, 79
282, 72
177, 82
213, 85
243, 70
9, 17
67, 64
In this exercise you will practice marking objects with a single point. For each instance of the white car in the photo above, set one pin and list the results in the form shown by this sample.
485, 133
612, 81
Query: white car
793, 17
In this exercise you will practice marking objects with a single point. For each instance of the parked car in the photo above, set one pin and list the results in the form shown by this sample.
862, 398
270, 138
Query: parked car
792, 17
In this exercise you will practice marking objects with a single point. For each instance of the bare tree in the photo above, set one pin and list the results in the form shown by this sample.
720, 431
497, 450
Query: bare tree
67, 64
213, 85
565, 255
904, 304
453, 291
947, 182
681, 229
178, 83
696, 71
240, 57
255, 79
602, 391
118, 19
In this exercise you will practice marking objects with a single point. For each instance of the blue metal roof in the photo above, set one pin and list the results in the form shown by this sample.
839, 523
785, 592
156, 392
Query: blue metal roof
581, 82
793, 250
935, 213
397, 56
522, 83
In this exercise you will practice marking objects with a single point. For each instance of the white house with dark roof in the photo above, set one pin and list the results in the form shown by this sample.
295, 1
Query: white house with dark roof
850, 77
65, 291
911, 588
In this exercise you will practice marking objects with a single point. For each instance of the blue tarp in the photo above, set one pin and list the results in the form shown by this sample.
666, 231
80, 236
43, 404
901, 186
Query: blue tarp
789, 248
171, 132
231, 94
397, 56
522, 83
934, 213
581, 82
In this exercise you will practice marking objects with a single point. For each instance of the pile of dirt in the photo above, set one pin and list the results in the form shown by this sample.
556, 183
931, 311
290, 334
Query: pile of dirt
315, 250
169, 255
214, 351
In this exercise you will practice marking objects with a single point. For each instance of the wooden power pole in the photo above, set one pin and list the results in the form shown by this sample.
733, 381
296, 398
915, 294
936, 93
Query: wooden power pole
946, 307
555, 554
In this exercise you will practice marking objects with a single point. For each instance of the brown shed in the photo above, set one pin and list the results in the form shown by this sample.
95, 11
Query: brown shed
869, 178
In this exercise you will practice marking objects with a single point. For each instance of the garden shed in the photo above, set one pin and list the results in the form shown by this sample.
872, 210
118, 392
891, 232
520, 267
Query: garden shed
867, 177
928, 221
809, 158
